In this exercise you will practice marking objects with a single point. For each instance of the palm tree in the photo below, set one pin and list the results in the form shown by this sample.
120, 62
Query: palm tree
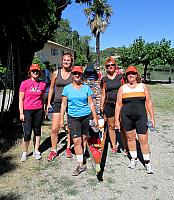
98, 13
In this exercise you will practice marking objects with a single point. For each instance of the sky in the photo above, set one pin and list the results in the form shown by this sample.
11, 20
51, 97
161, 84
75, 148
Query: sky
151, 19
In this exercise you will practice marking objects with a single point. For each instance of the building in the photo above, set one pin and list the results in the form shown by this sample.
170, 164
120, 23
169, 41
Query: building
52, 52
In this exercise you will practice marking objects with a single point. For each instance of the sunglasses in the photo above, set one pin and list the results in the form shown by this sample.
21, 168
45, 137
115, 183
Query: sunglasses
76, 73
133, 73
110, 65
35, 71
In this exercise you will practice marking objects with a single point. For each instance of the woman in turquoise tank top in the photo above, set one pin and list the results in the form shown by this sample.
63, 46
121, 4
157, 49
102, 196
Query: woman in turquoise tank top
78, 98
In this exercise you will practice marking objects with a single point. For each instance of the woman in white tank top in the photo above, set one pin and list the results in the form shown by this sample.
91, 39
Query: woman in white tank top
132, 106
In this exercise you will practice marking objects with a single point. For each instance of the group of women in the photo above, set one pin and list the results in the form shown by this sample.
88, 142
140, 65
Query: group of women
125, 104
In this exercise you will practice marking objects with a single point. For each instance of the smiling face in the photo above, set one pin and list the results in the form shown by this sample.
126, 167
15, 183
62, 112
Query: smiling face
110, 67
35, 74
132, 77
66, 61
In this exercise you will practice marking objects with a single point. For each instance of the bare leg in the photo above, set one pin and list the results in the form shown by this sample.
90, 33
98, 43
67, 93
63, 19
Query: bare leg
55, 130
112, 134
68, 139
124, 139
131, 140
25, 145
143, 139
78, 149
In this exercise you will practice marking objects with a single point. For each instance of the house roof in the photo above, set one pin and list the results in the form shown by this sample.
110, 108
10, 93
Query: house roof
51, 42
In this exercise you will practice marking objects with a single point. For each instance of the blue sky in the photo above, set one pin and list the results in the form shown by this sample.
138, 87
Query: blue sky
151, 19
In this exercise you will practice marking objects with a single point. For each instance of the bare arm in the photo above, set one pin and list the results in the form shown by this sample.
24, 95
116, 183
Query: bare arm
51, 89
149, 104
103, 95
21, 105
62, 110
118, 107
92, 107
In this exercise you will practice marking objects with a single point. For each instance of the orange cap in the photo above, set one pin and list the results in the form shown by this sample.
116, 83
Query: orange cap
35, 67
77, 69
131, 69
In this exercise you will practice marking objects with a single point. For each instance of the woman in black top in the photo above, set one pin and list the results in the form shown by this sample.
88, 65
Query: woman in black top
110, 85
60, 78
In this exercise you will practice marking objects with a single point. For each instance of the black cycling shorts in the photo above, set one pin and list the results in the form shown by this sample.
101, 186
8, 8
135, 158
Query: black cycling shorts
130, 124
57, 106
109, 110
79, 126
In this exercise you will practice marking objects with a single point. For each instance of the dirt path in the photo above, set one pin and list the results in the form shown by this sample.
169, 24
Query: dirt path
43, 180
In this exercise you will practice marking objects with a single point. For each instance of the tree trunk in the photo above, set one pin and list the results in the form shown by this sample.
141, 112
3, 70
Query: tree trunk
145, 71
98, 49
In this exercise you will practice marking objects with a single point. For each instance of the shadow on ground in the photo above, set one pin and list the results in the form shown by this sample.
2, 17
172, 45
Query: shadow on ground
9, 134
6, 164
46, 144
11, 196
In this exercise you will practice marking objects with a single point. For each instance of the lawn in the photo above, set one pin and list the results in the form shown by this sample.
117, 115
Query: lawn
163, 97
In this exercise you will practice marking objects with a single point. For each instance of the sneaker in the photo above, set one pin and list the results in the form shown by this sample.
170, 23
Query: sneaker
133, 163
37, 155
52, 155
149, 168
68, 153
114, 151
23, 157
79, 170
124, 152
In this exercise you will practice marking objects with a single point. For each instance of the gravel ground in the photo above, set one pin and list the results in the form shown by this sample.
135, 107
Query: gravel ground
43, 180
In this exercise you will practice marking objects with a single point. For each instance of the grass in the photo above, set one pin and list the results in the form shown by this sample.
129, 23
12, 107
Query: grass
72, 192
162, 96
66, 181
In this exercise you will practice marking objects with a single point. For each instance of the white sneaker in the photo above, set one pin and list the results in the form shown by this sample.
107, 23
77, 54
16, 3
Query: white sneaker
37, 155
133, 163
149, 168
23, 157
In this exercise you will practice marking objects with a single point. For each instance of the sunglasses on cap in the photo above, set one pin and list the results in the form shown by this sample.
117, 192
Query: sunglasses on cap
35, 71
110, 65
132, 73
76, 73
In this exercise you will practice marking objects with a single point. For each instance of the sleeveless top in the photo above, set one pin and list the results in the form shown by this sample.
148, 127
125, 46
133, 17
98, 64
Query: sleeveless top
111, 87
133, 95
59, 85
133, 100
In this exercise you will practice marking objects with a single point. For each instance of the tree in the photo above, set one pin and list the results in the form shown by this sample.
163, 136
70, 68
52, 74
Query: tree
98, 13
66, 36
125, 56
63, 34
139, 53
107, 53
26, 28
164, 50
